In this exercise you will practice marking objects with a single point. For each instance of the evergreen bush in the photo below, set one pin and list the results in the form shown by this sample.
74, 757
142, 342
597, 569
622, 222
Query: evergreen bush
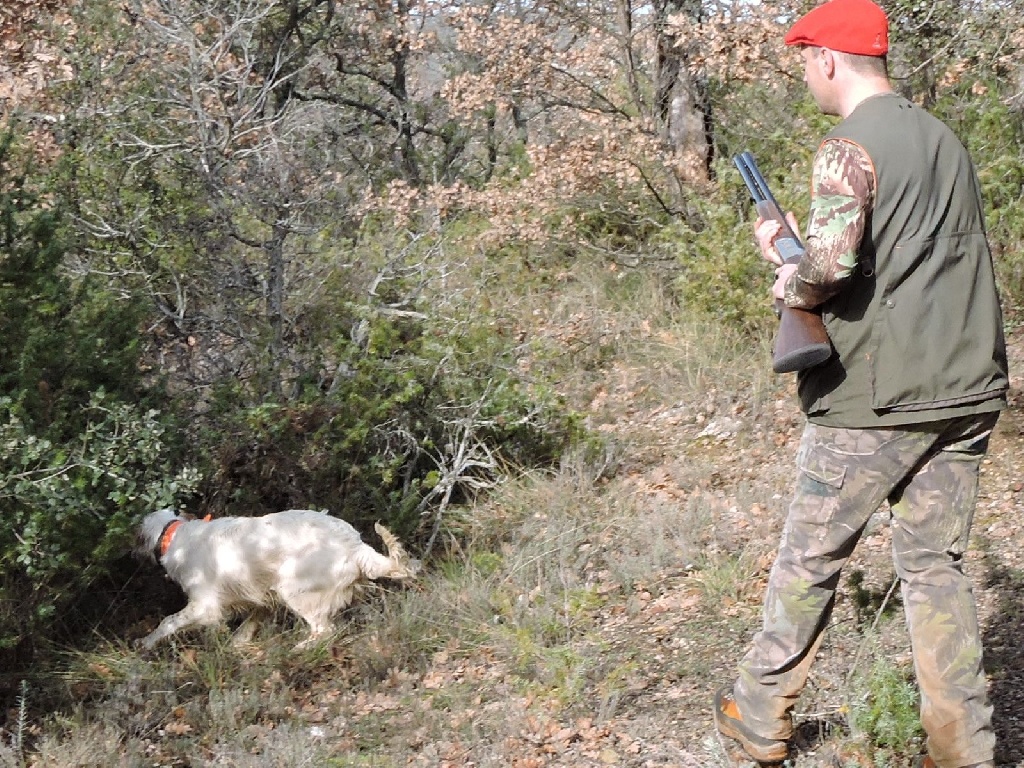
419, 416
82, 457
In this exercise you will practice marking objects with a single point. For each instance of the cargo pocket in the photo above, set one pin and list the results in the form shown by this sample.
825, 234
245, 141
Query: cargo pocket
818, 498
820, 467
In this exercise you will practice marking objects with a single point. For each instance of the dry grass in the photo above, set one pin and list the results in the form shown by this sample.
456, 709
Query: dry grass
577, 617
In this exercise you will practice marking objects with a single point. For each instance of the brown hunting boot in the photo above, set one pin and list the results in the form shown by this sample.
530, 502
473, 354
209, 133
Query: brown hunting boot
927, 762
730, 723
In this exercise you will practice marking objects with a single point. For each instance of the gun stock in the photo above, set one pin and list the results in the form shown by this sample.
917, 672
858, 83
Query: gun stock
801, 341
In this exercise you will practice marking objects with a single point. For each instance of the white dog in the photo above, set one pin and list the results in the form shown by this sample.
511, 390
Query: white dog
307, 560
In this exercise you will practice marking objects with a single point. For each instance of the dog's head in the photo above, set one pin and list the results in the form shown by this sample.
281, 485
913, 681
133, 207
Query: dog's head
150, 529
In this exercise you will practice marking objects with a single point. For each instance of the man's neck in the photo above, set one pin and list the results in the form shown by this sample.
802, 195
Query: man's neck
859, 91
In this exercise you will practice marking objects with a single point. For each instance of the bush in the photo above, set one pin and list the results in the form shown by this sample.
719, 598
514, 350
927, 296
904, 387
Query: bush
723, 276
70, 509
885, 712
420, 414
993, 132
60, 340
81, 459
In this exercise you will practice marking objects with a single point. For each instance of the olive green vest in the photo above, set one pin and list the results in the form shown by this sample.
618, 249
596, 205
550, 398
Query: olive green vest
918, 333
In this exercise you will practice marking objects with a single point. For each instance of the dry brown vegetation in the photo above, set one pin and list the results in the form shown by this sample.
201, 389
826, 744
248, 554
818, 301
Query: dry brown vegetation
581, 617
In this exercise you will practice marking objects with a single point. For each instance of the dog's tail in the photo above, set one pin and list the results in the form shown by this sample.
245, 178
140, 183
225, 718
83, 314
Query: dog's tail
402, 566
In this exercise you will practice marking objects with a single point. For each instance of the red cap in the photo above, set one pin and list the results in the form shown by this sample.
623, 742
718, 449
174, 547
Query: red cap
850, 26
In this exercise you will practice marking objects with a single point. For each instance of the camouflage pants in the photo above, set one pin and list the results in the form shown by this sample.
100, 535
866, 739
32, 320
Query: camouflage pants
930, 477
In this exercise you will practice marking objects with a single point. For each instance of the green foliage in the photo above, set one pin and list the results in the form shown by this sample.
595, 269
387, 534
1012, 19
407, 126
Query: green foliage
78, 464
993, 132
723, 276
485, 563
59, 339
419, 412
612, 218
778, 123
885, 712
70, 508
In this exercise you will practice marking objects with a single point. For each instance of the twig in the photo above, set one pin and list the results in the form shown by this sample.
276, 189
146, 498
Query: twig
874, 626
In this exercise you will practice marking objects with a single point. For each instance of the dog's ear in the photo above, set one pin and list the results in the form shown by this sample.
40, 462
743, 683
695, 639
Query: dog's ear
143, 549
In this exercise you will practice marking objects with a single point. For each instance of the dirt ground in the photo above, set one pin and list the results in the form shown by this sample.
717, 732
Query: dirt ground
664, 717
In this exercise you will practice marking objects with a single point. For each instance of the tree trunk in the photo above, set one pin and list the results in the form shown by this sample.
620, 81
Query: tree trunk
682, 102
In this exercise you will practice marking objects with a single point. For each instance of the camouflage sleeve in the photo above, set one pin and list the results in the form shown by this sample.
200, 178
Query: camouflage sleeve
842, 194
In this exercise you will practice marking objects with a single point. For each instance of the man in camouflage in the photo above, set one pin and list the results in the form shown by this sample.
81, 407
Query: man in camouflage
898, 264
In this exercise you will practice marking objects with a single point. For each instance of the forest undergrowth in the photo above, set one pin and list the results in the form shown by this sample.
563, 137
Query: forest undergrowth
482, 272
578, 617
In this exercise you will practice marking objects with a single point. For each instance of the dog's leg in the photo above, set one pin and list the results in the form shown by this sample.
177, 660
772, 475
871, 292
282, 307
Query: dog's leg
247, 629
319, 628
310, 641
191, 615
317, 610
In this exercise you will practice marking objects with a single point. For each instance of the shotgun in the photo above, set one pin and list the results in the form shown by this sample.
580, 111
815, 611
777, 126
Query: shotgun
801, 341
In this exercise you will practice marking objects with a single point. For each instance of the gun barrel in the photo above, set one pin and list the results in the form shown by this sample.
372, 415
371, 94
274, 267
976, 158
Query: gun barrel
743, 166
759, 180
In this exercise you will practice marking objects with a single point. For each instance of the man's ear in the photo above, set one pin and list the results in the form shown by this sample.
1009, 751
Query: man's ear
828, 61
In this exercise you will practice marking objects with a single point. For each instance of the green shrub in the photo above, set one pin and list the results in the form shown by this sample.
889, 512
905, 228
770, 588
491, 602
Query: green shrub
422, 414
981, 115
60, 339
81, 457
885, 710
70, 509
723, 276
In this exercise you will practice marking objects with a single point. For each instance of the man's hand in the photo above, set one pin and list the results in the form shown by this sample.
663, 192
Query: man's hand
782, 275
766, 230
